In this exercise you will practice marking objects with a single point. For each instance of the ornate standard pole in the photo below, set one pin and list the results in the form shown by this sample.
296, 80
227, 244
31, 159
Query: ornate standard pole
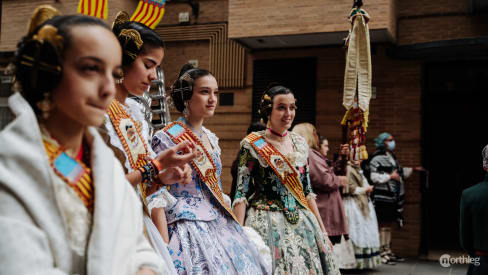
357, 82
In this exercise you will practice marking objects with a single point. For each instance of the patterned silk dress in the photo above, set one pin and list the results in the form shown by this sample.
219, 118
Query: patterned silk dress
204, 239
291, 231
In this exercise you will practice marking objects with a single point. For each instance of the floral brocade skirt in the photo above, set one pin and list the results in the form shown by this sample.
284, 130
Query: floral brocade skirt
295, 248
213, 247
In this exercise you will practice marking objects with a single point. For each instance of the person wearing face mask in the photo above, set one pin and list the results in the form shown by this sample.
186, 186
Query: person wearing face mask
388, 194
65, 204
274, 191
204, 235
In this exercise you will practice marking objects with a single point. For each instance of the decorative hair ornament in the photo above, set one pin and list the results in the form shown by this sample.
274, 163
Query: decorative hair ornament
41, 14
47, 36
266, 105
121, 18
50, 34
134, 36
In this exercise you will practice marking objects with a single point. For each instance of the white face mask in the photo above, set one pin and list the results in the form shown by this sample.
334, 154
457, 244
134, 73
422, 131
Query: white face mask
391, 145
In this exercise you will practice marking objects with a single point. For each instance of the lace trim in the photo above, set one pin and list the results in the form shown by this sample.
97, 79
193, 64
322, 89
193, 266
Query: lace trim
214, 140
245, 144
311, 196
161, 199
227, 199
75, 214
240, 200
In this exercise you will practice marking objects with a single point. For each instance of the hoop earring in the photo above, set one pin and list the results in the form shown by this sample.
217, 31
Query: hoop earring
45, 106
186, 113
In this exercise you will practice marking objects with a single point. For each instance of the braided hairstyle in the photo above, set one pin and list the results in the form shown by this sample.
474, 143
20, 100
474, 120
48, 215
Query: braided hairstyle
134, 37
39, 54
266, 104
182, 88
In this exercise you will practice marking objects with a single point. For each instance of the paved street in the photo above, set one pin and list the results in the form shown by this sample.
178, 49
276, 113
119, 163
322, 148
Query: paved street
414, 267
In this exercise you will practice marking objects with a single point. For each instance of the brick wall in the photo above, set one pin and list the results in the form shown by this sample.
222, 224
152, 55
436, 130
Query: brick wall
254, 18
177, 54
438, 28
426, 21
210, 11
16, 15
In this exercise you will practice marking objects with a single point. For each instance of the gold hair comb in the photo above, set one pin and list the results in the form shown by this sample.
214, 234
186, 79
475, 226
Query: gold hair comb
40, 15
49, 33
120, 18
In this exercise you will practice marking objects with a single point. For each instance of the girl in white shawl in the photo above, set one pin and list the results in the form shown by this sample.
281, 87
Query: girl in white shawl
127, 132
65, 204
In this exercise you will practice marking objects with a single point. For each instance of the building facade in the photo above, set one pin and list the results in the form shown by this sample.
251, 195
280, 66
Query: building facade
429, 65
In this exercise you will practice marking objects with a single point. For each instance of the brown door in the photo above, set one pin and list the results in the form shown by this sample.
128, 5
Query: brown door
454, 133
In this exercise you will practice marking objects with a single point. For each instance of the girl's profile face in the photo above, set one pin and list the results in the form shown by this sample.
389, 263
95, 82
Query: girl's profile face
283, 113
138, 76
91, 65
204, 98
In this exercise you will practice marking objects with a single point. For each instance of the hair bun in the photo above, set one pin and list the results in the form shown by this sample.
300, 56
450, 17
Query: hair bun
185, 69
121, 18
41, 14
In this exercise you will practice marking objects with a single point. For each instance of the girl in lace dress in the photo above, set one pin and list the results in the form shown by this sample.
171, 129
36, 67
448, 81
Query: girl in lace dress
128, 134
65, 205
274, 192
205, 237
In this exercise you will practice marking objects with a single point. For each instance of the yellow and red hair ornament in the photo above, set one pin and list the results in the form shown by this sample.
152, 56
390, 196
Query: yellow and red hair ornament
149, 12
97, 8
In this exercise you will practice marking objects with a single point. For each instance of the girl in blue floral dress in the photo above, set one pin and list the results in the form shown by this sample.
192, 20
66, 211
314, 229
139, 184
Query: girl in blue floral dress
205, 237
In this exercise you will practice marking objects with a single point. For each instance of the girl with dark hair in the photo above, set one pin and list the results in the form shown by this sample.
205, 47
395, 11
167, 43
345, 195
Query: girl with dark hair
53, 159
205, 237
128, 133
274, 191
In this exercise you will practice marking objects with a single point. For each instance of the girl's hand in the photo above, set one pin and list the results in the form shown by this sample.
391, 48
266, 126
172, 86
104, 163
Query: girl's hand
178, 155
177, 174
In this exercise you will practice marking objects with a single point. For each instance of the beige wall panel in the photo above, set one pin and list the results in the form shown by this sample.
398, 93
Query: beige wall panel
255, 18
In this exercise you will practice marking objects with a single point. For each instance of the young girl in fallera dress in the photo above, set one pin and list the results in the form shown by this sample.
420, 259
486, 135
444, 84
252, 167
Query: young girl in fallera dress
274, 192
127, 132
65, 205
205, 237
